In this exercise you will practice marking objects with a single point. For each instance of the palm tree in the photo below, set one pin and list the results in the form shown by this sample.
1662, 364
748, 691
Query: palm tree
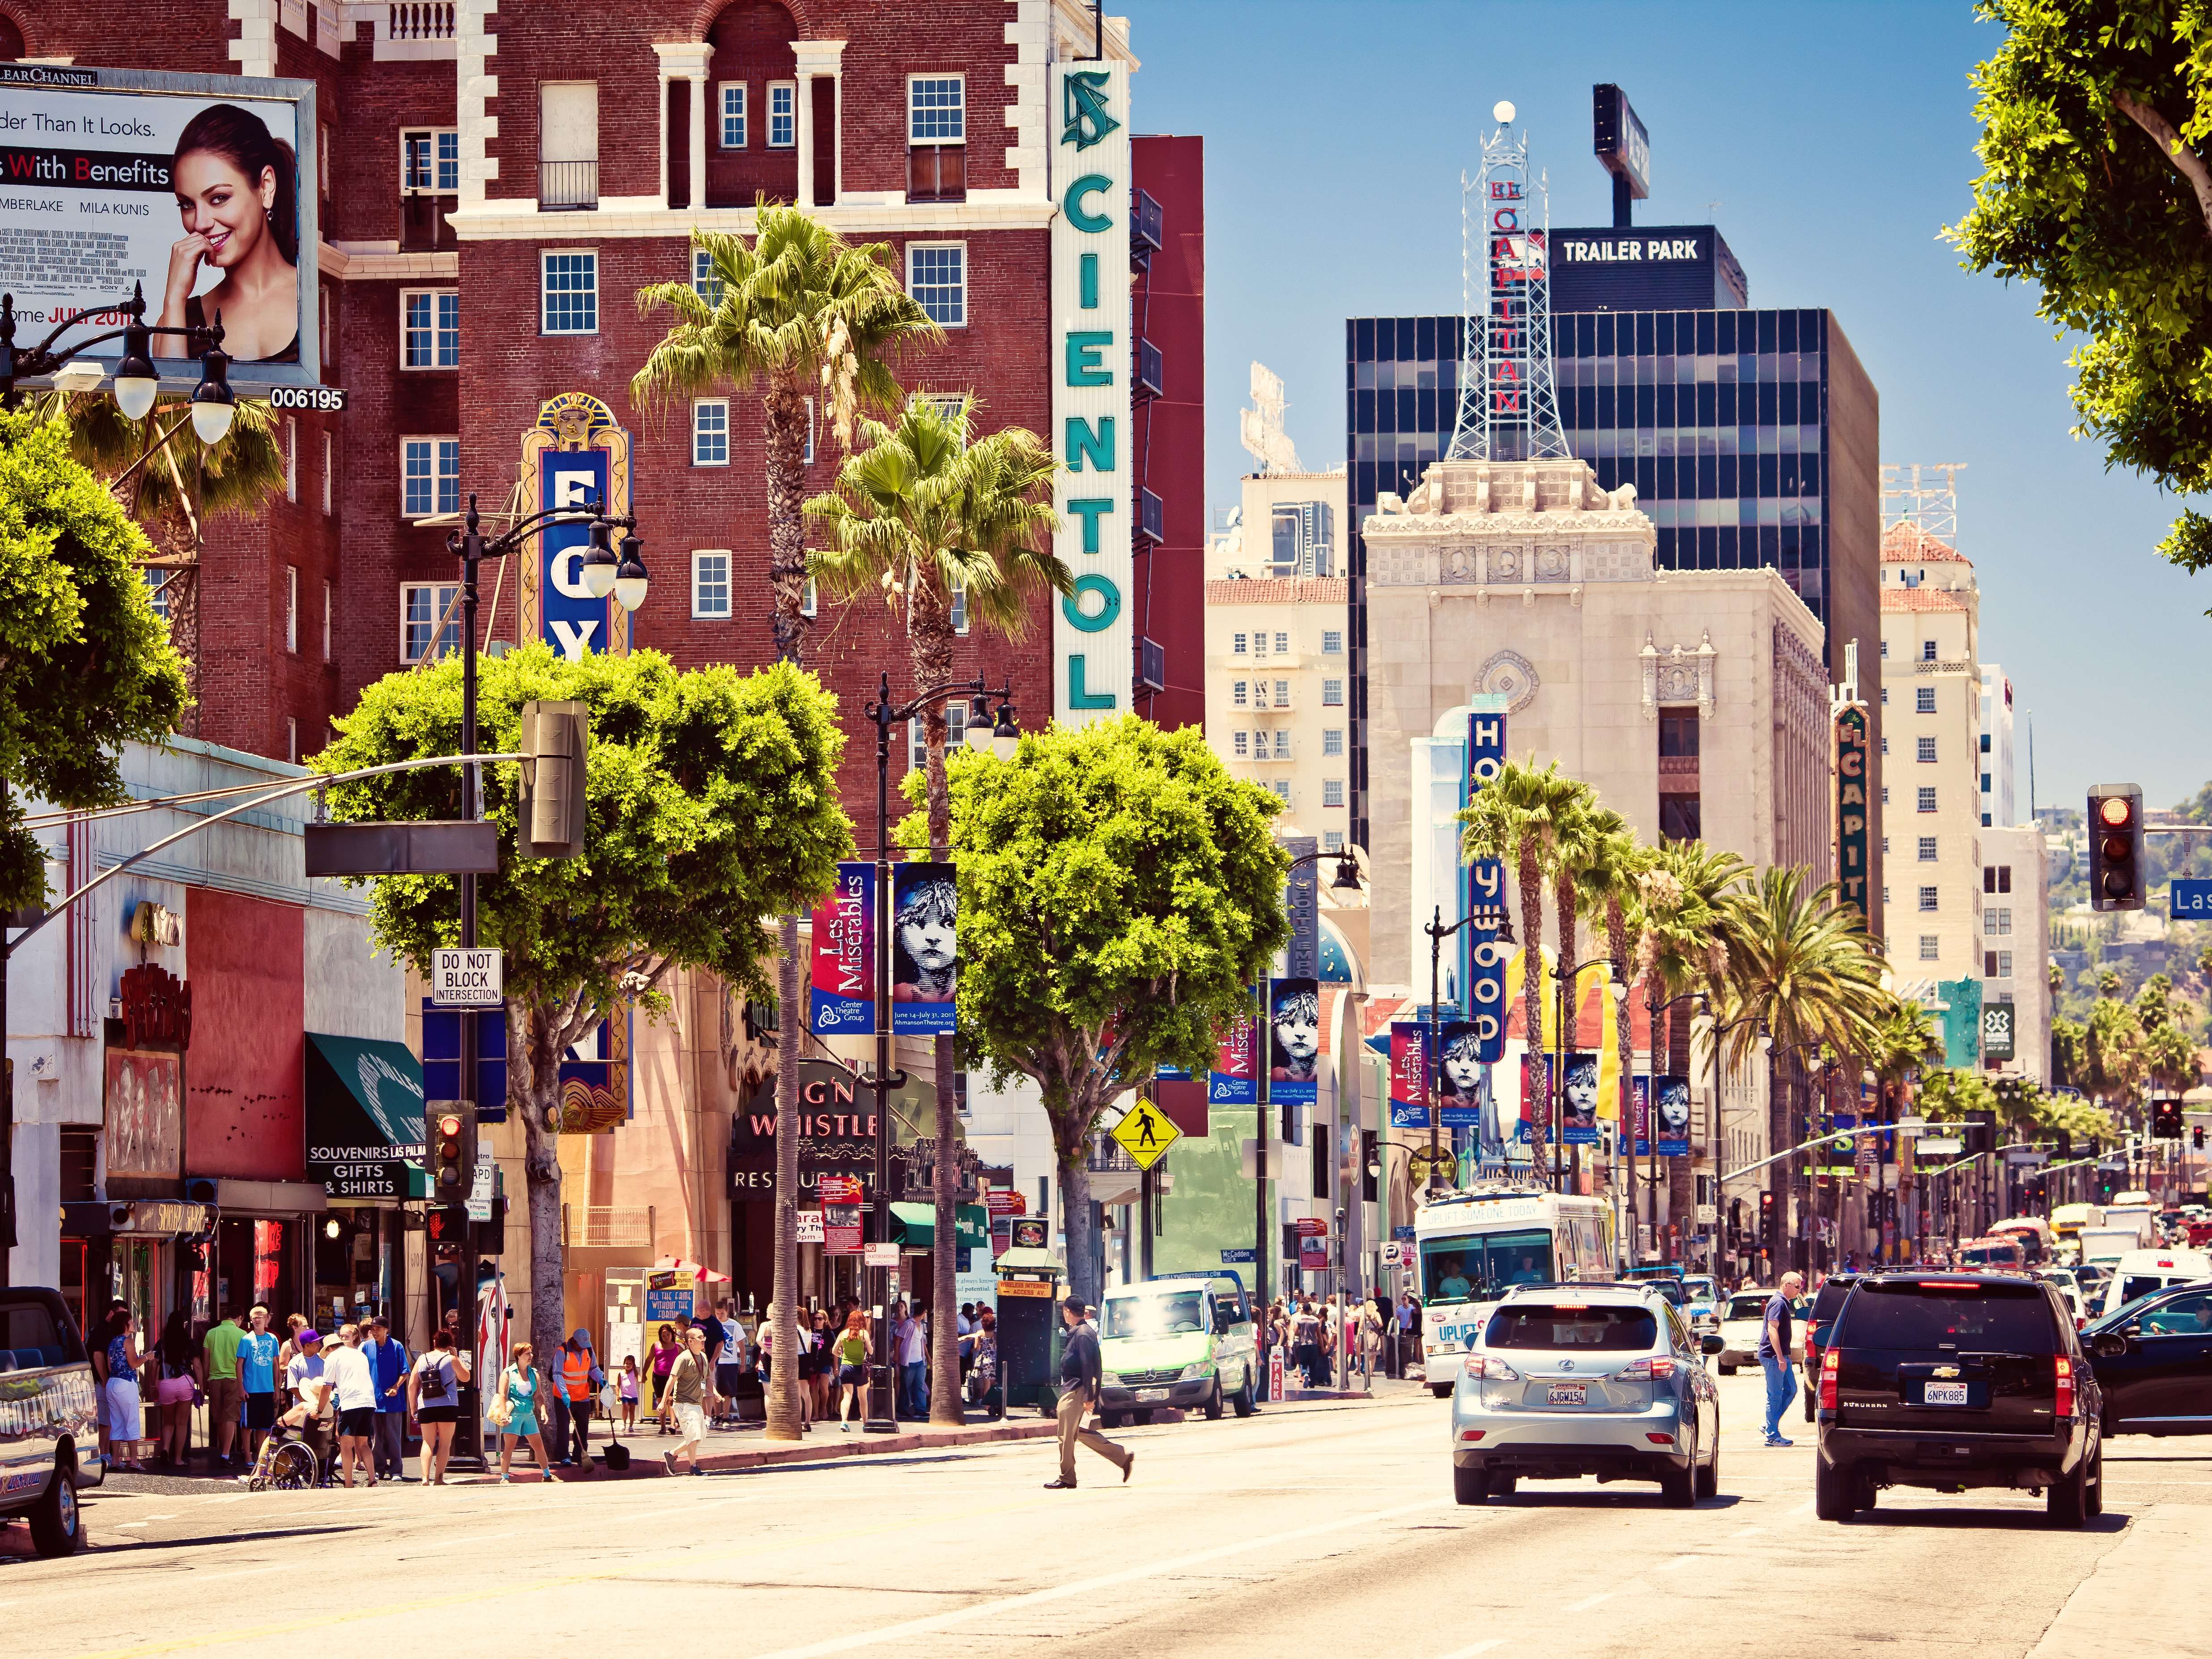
1515, 818
923, 513
1904, 1040
1608, 884
1574, 845
797, 308
1805, 973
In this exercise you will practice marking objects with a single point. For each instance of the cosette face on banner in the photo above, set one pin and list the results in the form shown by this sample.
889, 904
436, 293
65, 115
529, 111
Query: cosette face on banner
196, 188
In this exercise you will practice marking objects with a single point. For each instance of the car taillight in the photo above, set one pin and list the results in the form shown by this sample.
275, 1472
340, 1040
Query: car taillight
1491, 1369
2065, 1406
1660, 1366
1828, 1363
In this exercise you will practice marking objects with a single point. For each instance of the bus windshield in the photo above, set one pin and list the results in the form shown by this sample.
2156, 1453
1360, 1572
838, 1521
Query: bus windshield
1478, 1269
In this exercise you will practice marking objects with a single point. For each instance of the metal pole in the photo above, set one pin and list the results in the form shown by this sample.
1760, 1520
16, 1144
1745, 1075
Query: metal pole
1434, 1061
1261, 1053
7, 1075
883, 1413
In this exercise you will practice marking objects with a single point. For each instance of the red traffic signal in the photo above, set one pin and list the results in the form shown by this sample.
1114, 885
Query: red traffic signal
2117, 874
453, 1153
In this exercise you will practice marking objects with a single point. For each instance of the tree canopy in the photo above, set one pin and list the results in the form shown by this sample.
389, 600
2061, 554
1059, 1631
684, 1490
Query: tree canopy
2096, 186
85, 665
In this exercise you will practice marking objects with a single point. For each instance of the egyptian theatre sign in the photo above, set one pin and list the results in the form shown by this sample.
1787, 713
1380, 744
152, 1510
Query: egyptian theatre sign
1092, 641
573, 456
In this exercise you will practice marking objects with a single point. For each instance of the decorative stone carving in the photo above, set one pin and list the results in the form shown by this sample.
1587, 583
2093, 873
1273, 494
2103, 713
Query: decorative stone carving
1510, 675
1554, 564
1507, 564
1458, 564
1428, 498
1678, 674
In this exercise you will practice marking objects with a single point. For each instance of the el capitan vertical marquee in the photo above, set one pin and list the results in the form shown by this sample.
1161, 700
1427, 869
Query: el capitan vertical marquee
1092, 355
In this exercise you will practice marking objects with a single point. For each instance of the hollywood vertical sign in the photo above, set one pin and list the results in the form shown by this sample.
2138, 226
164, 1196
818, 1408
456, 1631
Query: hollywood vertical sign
1092, 370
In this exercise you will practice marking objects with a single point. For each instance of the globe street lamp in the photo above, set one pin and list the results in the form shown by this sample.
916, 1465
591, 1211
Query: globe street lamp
137, 380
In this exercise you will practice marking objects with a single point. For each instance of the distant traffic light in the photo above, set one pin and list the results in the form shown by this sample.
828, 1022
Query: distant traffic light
2065, 1146
453, 1150
1767, 1236
2116, 846
2196, 1136
2166, 1120
549, 812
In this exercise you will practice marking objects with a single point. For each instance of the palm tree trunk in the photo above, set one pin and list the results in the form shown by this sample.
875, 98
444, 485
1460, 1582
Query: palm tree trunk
1531, 881
1563, 902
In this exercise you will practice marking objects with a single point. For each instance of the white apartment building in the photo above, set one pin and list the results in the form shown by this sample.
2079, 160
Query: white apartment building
1278, 666
1931, 692
2015, 920
1998, 804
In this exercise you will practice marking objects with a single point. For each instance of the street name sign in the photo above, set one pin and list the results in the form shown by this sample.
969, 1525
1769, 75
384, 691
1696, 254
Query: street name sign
1941, 1145
2191, 900
1145, 1133
471, 978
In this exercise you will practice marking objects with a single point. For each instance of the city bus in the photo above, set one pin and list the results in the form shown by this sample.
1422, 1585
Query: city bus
1471, 1246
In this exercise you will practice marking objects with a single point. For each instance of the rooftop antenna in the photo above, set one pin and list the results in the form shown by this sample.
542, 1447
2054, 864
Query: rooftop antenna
1925, 495
1508, 409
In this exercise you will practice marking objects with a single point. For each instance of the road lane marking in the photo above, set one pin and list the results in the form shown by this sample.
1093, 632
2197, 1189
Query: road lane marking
1009, 1605
1679, 1561
1588, 1602
1805, 1508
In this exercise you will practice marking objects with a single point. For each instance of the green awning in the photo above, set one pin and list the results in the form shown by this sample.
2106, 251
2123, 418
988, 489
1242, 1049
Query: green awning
914, 1227
364, 1116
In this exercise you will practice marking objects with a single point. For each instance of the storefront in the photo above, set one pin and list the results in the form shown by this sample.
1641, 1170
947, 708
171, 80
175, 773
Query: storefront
366, 1146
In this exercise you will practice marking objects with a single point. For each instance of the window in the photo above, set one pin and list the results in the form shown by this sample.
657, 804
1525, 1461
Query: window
1282, 788
1929, 948
1331, 642
1236, 694
1985, 783
1332, 740
430, 161
330, 470
807, 607
704, 283
1924, 750
1242, 745
1996, 879
1884, 649
1332, 792
1331, 841
936, 109
937, 276
710, 584
327, 621
571, 294
429, 328
1996, 964
1259, 746
1924, 699
1927, 899
1928, 651
1885, 794
1986, 742
422, 604
1927, 798
959, 597
291, 458
429, 476
1282, 693
1259, 645
1283, 744
1928, 849
783, 115
1884, 847
1885, 697
1282, 644
1237, 646
710, 432
733, 115
291, 607
1997, 922
1681, 818
1885, 743
1332, 693
1678, 733
956, 730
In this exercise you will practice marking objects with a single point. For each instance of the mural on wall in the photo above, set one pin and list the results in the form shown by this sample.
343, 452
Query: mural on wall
145, 1117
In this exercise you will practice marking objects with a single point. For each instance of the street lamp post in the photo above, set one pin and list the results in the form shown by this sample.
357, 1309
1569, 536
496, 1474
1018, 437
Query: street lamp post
1000, 735
603, 574
1482, 916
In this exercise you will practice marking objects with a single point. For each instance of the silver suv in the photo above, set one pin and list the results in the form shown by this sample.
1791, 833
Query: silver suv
1570, 1380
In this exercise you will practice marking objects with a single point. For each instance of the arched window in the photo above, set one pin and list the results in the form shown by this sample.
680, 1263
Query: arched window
11, 40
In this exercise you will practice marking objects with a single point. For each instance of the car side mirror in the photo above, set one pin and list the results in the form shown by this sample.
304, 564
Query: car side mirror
1711, 1343
2112, 1345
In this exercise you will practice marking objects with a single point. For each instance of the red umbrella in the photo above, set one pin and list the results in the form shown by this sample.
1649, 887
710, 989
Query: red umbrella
678, 1264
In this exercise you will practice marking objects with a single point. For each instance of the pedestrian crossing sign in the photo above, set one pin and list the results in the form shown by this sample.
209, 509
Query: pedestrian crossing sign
1145, 1133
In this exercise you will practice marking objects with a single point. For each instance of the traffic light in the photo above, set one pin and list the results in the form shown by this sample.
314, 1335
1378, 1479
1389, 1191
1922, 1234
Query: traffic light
453, 1151
2197, 1137
550, 811
1768, 1237
2116, 846
2166, 1120
2065, 1146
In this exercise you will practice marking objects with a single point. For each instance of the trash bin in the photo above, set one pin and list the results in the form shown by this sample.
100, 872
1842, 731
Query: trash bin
1029, 1328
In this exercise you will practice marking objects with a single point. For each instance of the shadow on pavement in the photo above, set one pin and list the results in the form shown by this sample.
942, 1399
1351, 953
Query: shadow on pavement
1524, 1499
2001, 1520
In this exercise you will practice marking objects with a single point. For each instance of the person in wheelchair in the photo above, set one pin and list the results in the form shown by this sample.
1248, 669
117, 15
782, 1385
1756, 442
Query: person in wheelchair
291, 1457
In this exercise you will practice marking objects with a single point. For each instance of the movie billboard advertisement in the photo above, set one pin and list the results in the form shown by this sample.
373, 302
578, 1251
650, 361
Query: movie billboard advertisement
841, 987
924, 949
1235, 1079
1409, 1074
198, 189
1672, 1110
1294, 1048
1535, 1096
1458, 1075
1578, 1126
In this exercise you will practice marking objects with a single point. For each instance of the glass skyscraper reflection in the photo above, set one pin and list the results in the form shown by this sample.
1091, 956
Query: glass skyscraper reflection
1750, 437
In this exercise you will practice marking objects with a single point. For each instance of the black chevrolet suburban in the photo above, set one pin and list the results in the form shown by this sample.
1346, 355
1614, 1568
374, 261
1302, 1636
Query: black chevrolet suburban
49, 1418
1948, 1381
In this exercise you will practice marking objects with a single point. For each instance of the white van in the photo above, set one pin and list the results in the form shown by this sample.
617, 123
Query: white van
2140, 1272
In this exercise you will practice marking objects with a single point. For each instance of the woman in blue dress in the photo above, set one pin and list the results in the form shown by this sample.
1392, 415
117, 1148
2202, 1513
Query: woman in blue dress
517, 1389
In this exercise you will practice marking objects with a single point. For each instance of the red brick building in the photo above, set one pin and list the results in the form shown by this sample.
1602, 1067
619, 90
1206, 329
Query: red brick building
498, 184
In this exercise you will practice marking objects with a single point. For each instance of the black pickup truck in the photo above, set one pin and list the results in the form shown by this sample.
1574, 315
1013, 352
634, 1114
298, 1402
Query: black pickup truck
49, 1419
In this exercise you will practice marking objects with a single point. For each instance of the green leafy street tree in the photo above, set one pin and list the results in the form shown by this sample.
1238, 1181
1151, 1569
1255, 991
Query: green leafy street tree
85, 665
929, 516
2096, 187
1120, 895
797, 310
1517, 818
713, 805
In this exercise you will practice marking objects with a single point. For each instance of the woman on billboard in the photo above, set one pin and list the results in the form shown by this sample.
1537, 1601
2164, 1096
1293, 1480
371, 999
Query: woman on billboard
1459, 1075
1296, 1018
237, 187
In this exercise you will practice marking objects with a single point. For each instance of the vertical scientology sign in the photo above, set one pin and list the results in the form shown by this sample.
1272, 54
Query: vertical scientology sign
1092, 353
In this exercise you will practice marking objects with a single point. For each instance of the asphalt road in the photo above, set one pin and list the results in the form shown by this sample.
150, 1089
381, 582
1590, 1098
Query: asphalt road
1305, 1530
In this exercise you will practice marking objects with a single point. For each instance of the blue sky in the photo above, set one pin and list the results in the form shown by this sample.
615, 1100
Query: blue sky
1837, 139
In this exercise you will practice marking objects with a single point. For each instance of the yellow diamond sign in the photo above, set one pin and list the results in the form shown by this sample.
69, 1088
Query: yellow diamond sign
1145, 1133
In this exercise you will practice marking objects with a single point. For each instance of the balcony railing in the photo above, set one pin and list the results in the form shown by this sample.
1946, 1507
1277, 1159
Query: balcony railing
568, 187
607, 1226
1147, 233
419, 19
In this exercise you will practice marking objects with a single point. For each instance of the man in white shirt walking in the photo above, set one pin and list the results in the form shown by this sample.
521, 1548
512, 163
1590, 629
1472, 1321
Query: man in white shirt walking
346, 1368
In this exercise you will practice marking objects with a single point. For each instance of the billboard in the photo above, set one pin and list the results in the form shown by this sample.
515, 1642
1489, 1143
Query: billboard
197, 189
1578, 1127
925, 948
1294, 1047
1618, 140
1459, 1074
1673, 1111
1409, 1074
1234, 1078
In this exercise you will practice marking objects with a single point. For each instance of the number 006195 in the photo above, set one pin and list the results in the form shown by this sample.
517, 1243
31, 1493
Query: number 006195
318, 399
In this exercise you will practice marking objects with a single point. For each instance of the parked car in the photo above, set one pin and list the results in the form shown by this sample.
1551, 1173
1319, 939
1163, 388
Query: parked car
1948, 1382
1740, 1321
1827, 1303
1183, 1339
1702, 1302
2153, 1363
1570, 1380
49, 1419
